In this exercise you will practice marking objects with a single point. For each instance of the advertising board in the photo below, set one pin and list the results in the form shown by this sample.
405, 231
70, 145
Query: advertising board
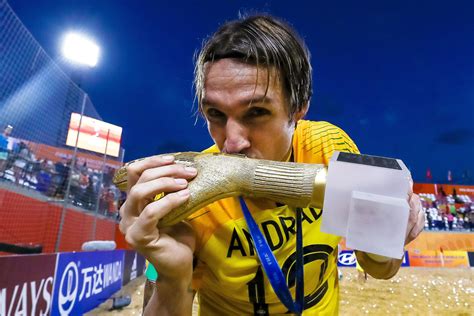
94, 135
84, 280
445, 259
133, 267
26, 286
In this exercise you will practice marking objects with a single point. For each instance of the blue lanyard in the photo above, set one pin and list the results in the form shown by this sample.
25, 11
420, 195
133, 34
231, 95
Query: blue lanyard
270, 264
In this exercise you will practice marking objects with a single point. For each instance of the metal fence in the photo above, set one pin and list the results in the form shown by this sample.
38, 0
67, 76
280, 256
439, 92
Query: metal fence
37, 168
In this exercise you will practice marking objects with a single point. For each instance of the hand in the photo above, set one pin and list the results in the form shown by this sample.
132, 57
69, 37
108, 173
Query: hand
170, 250
416, 219
381, 267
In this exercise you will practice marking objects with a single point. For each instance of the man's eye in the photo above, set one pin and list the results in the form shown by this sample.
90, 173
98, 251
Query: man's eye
257, 112
214, 114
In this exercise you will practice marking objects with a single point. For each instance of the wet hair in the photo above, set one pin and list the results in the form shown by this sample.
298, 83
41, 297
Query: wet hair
261, 40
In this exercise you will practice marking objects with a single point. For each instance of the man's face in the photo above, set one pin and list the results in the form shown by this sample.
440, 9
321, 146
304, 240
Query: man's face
242, 115
7, 131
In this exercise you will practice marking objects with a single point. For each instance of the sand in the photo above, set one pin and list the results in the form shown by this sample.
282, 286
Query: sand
413, 291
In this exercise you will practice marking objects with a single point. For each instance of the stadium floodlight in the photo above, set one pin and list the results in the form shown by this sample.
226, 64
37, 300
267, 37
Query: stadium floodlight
80, 49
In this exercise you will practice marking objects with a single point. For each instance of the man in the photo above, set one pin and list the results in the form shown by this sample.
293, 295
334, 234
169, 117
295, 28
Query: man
4, 139
253, 85
62, 176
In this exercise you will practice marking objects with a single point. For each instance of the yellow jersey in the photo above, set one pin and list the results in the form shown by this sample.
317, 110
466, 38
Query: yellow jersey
229, 278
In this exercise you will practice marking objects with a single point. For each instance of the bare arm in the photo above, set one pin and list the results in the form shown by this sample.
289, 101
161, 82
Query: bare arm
172, 293
170, 298
169, 250
148, 291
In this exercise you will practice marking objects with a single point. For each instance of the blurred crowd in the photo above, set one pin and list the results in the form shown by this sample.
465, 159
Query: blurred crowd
445, 212
88, 187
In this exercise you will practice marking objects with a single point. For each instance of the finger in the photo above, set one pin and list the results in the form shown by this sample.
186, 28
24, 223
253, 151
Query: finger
136, 168
410, 187
145, 226
421, 222
418, 227
123, 224
156, 210
413, 213
143, 193
125, 221
173, 170
416, 221
414, 203
121, 209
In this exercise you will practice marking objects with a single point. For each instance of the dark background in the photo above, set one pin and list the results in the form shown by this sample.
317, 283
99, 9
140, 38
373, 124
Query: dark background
397, 76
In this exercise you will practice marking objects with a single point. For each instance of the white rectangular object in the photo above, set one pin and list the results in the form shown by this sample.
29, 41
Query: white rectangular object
371, 228
369, 174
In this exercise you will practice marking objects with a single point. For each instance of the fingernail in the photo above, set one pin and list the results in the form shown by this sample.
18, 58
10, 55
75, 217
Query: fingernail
184, 192
190, 169
167, 157
180, 181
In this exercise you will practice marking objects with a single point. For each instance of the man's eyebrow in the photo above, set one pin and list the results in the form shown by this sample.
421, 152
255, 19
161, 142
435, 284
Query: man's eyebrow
256, 99
206, 102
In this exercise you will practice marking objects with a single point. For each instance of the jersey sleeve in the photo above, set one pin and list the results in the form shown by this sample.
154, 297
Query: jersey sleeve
316, 142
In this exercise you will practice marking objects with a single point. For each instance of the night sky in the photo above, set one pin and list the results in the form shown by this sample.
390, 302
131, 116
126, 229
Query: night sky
397, 76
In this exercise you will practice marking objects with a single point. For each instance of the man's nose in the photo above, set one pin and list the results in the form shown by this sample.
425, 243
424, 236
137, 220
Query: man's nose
236, 140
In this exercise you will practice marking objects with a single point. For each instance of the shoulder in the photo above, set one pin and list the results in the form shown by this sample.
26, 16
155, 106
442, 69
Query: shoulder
315, 142
310, 130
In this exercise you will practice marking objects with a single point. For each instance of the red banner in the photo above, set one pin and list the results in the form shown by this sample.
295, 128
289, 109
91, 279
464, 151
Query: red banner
435, 188
26, 284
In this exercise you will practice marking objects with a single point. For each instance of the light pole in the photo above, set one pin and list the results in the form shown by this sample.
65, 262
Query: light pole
82, 51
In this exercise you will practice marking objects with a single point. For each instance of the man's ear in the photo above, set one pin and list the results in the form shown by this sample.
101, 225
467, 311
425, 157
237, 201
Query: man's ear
301, 113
